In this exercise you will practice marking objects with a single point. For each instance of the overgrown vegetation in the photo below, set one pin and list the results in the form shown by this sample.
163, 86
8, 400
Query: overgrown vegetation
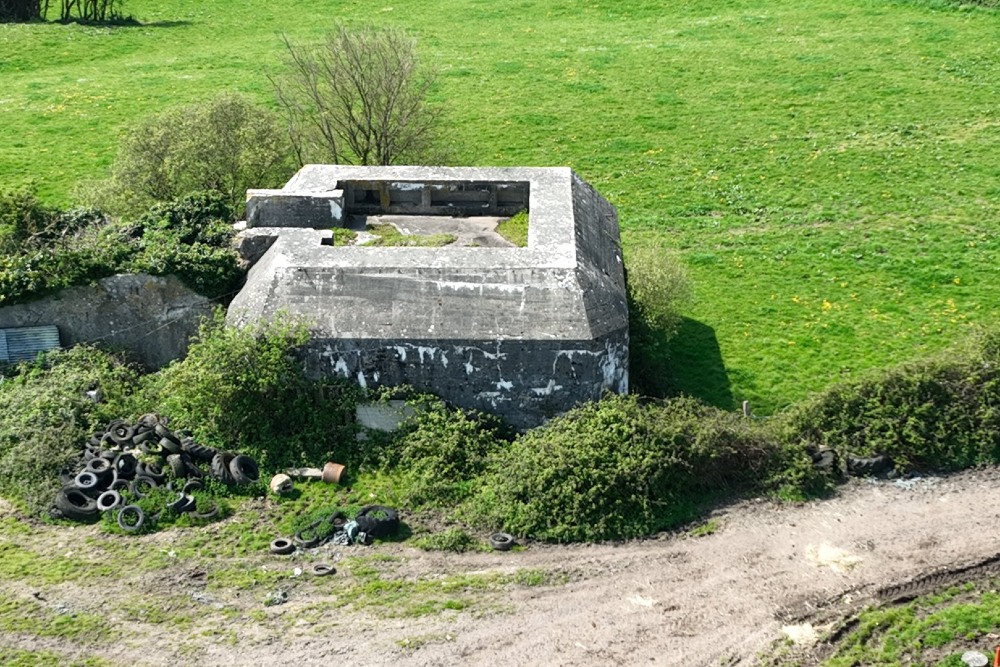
619, 468
939, 414
45, 250
246, 390
227, 145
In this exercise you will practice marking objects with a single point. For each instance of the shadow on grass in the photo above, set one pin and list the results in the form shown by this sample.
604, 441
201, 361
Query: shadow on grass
689, 362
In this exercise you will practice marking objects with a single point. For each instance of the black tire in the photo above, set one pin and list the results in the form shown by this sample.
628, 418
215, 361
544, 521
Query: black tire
101, 467
220, 467
75, 504
282, 546
170, 445
177, 466
150, 470
147, 422
122, 434
378, 521
199, 452
141, 485
143, 436
308, 537
502, 541
210, 514
125, 465
244, 470
338, 520
120, 485
183, 503
131, 518
192, 485
323, 570
108, 501
88, 482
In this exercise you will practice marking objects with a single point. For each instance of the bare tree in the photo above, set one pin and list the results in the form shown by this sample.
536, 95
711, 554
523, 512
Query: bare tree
360, 97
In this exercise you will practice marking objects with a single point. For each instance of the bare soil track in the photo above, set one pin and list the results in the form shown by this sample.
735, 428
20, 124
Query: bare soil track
719, 599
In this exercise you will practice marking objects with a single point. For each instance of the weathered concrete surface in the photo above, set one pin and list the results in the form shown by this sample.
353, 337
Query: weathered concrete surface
524, 332
150, 316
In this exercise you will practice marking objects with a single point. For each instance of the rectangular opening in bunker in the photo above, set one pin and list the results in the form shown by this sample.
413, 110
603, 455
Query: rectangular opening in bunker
451, 198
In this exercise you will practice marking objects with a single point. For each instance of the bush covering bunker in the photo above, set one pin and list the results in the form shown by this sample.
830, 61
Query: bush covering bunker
525, 333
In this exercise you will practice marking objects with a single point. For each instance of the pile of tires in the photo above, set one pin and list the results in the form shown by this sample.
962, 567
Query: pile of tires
122, 463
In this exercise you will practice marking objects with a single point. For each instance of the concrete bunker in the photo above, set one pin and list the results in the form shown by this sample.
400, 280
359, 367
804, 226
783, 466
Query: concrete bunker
525, 333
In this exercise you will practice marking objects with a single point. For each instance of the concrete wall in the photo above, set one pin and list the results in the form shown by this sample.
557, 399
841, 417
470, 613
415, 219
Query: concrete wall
525, 381
150, 316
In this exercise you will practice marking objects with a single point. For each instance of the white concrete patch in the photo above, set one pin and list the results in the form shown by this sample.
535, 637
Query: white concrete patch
640, 601
801, 635
838, 560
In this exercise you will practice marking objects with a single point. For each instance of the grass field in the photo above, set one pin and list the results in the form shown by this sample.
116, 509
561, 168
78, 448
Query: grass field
826, 169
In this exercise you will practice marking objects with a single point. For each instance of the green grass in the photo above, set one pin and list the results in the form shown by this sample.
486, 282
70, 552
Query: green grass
387, 235
825, 169
931, 627
515, 229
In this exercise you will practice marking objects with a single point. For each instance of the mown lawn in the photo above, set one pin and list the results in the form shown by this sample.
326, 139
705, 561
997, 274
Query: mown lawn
826, 169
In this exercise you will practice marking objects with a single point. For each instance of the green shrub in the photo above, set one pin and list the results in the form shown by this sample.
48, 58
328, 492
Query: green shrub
619, 468
658, 288
190, 238
245, 390
46, 416
939, 414
226, 144
441, 452
450, 539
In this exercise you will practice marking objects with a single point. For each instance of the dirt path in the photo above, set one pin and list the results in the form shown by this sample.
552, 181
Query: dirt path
713, 600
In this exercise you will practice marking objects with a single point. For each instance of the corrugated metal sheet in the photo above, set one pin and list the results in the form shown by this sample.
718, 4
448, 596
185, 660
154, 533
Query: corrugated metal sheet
24, 343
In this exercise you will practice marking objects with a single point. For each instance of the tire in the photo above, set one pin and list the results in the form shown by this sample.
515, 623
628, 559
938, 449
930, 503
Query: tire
144, 436
141, 485
75, 504
307, 538
244, 470
108, 501
131, 518
183, 503
323, 570
210, 514
192, 485
122, 434
199, 452
170, 445
220, 467
378, 521
177, 466
88, 482
338, 520
502, 541
282, 546
101, 467
124, 465
119, 485
150, 470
